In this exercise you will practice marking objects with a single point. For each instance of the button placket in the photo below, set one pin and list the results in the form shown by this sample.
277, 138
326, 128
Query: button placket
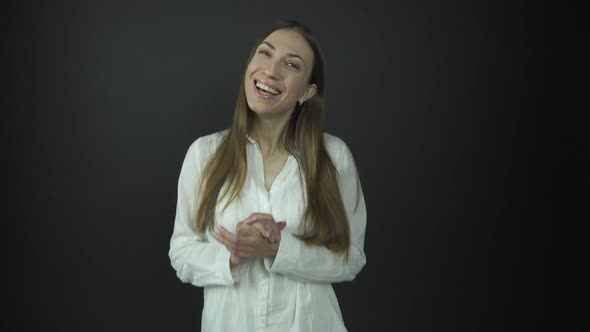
262, 304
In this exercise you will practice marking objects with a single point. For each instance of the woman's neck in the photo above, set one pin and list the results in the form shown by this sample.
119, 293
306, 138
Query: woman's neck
266, 131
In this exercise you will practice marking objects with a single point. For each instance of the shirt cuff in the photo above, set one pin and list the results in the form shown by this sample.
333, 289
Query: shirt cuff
288, 248
223, 266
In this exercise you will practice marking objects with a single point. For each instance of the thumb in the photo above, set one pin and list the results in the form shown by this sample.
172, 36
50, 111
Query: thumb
282, 224
250, 220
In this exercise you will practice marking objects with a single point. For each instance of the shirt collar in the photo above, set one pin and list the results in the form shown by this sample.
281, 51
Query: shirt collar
250, 139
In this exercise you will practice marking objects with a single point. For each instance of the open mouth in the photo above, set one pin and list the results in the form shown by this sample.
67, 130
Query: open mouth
265, 89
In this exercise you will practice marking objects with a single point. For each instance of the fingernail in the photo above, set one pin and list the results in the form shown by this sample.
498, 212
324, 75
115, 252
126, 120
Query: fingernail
267, 235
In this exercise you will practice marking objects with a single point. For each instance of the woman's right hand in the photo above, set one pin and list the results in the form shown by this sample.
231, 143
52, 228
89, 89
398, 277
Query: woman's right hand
266, 225
246, 243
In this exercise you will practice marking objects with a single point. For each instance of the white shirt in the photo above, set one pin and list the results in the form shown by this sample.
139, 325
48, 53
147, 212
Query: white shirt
293, 292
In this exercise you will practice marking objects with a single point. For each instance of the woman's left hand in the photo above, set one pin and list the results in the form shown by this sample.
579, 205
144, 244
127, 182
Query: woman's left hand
266, 224
246, 243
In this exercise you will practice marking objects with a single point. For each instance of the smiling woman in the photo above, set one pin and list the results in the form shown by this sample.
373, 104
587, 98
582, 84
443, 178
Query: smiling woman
265, 92
271, 211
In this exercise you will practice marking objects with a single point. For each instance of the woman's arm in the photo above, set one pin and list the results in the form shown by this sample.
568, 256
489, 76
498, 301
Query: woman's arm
303, 262
197, 259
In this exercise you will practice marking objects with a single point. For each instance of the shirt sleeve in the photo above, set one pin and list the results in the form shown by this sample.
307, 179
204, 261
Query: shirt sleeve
311, 263
196, 260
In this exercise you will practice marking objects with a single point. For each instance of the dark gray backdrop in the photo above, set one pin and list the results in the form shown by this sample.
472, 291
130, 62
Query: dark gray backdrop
440, 104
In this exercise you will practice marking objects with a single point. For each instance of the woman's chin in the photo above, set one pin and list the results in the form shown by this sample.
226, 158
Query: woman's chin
269, 112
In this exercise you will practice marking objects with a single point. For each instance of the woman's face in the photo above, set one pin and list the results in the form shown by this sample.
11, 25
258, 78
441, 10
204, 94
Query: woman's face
278, 74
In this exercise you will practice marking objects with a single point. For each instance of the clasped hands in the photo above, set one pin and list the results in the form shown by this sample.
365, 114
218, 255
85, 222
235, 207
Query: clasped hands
257, 236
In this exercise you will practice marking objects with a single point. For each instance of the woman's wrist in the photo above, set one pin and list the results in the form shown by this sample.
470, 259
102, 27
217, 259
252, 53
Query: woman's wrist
233, 262
273, 250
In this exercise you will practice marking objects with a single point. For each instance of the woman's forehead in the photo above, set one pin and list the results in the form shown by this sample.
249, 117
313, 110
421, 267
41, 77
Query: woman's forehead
290, 41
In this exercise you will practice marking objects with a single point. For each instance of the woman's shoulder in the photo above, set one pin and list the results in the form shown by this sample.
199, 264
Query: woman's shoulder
336, 146
205, 145
334, 143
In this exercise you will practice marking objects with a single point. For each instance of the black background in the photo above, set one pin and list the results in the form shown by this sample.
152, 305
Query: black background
448, 108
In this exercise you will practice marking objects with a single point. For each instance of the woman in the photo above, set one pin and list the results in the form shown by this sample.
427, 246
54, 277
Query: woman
270, 212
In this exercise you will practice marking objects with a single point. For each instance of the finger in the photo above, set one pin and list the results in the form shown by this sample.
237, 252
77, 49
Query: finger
254, 217
268, 233
276, 229
272, 228
251, 219
261, 229
228, 235
229, 240
258, 216
281, 225
239, 242
237, 246
225, 242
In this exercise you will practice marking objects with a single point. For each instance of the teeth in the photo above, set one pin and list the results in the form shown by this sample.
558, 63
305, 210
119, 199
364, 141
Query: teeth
267, 88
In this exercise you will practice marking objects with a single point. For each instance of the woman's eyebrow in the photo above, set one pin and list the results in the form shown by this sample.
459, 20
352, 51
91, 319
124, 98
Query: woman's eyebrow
269, 45
289, 54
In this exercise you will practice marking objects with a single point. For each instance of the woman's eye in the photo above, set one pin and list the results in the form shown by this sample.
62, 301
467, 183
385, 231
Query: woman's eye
293, 65
264, 52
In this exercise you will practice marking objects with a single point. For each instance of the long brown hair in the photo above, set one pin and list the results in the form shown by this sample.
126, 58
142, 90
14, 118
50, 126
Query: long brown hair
325, 221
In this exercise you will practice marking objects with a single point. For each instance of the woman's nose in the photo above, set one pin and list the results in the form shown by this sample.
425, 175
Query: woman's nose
272, 69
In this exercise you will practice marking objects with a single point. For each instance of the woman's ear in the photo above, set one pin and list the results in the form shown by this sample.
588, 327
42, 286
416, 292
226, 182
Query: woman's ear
310, 92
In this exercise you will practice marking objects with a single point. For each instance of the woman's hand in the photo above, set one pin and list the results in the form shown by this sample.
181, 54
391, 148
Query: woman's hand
245, 244
266, 225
